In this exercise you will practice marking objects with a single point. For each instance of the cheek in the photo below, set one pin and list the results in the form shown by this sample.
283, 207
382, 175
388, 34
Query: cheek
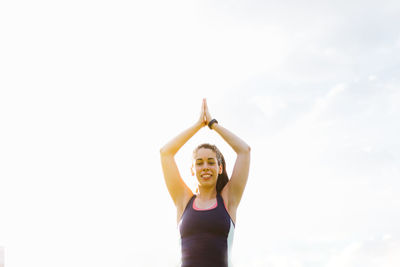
197, 169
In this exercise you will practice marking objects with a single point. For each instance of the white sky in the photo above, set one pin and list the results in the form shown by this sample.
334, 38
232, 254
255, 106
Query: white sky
91, 90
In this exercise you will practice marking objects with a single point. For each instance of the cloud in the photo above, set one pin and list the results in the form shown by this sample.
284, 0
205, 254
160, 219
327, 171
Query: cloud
381, 252
1, 257
270, 105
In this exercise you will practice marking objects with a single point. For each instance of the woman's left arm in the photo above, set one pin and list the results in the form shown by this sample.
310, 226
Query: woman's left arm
240, 173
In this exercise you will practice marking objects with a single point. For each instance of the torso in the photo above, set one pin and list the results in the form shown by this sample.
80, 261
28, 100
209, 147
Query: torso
207, 204
206, 231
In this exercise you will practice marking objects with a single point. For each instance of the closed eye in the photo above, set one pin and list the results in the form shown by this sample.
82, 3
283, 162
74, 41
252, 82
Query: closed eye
200, 163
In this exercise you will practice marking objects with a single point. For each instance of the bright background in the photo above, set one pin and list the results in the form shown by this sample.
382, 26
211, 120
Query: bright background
91, 90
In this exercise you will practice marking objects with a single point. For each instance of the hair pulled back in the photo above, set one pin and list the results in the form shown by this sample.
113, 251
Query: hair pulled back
222, 179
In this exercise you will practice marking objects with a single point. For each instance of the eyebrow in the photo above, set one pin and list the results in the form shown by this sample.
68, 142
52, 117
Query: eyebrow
208, 158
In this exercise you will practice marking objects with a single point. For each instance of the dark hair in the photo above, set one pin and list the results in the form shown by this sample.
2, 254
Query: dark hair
222, 179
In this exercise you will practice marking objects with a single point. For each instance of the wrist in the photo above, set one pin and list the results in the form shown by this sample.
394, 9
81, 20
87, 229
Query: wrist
212, 124
200, 123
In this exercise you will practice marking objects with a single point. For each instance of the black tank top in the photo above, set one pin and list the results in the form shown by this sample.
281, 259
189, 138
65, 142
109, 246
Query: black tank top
206, 235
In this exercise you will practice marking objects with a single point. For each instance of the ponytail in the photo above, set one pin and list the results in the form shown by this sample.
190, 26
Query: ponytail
222, 179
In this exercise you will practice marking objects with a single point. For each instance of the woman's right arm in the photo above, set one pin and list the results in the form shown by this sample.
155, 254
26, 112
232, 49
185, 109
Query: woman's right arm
177, 188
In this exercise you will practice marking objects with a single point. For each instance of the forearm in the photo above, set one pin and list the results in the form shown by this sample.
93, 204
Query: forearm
237, 144
175, 144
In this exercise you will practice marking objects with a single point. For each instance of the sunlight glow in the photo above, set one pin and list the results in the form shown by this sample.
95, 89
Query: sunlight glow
91, 90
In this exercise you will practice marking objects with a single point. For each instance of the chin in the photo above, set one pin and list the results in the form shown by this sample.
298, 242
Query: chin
208, 183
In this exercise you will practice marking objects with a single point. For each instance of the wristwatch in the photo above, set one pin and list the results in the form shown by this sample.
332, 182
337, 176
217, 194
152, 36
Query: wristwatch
212, 122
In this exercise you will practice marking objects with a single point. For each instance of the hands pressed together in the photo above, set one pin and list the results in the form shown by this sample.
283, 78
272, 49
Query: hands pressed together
205, 116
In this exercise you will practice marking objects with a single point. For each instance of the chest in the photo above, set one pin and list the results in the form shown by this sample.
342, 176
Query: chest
214, 221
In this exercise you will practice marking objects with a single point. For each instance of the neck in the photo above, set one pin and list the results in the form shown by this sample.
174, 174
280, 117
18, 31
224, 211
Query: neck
207, 193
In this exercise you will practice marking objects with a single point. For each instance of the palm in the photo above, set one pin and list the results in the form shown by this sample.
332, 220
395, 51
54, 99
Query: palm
207, 115
202, 118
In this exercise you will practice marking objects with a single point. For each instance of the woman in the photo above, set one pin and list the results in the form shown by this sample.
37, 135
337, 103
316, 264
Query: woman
206, 219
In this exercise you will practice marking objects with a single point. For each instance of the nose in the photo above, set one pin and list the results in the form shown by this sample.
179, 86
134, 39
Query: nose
206, 168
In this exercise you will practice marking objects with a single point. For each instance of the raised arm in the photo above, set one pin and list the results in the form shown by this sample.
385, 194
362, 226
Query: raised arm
235, 187
177, 188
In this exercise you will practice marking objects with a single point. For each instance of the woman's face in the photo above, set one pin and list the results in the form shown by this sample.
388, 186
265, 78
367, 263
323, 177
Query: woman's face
206, 167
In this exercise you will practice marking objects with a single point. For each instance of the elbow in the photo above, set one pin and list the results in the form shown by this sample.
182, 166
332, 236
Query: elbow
164, 152
245, 150
248, 149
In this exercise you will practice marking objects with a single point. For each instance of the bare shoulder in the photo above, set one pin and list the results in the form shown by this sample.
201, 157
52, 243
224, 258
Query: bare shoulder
224, 195
181, 207
230, 206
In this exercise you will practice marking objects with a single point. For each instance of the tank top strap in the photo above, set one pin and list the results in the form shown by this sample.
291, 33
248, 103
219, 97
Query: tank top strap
189, 204
221, 203
220, 200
